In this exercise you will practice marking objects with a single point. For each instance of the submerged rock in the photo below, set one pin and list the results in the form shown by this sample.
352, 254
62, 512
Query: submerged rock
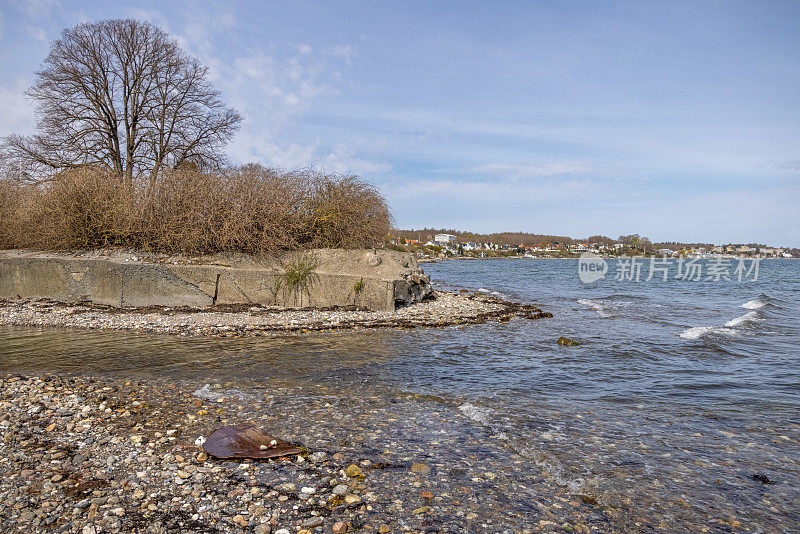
567, 341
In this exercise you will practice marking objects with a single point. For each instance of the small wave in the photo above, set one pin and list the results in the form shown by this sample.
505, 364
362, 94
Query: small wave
697, 332
549, 463
493, 293
476, 413
598, 308
554, 470
206, 393
754, 304
749, 317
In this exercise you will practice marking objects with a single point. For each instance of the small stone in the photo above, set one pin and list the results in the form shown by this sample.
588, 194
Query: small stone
202, 457
89, 529
426, 495
282, 531
341, 489
262, 529
421, 510
119, 512
240, 520
317, 457
384, 529
339, 527
420, 469
353, 471
183, 474
312, 522
351, 498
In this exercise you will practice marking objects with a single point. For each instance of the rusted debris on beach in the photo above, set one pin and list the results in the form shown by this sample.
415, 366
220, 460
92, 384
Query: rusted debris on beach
245, 440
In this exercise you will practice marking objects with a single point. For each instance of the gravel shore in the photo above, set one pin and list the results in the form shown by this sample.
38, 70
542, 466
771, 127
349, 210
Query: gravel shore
235, 321
100, 454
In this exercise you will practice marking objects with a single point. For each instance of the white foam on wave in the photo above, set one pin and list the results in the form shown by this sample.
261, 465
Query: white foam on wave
598, 308
483, 290
554, 470
207, 393
697, 332
527, 448
753, 304
749, 317
477, 413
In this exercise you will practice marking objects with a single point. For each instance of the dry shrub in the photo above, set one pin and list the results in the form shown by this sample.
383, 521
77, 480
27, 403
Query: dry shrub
250, 209
346, 211
84, 208
11, 198
181, 212
268, 210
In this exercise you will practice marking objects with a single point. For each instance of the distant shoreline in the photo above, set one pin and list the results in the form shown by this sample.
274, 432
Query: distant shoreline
467, 258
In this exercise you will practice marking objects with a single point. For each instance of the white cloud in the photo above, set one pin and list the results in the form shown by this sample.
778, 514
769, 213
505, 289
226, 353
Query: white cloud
38, 9
515, 171
37, 32
340, 158
343, 159
16, 112
790, 165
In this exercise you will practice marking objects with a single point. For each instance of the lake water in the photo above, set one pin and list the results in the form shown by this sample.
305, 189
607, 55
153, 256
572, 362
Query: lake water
680, 408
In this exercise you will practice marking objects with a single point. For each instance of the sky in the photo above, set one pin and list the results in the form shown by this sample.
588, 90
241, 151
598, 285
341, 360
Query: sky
679, 121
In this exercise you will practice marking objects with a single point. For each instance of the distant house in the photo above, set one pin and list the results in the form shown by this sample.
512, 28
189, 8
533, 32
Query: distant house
664, 252
470, 245
444, 238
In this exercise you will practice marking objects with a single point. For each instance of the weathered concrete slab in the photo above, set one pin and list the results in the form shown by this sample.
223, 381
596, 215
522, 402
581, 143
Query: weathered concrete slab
376, 280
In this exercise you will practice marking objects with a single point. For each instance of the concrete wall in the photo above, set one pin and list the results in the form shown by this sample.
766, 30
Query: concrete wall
377, 280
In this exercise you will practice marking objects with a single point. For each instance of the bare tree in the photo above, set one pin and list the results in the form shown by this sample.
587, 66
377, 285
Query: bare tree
122, 95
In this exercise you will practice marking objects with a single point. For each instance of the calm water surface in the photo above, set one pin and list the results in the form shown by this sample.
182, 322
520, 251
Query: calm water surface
679, 393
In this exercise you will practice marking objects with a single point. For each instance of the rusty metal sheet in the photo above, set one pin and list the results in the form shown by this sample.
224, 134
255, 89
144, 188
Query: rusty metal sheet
245, 440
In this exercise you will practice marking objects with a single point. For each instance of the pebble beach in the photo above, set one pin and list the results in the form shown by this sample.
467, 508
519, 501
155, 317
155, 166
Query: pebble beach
99, 454
446, 308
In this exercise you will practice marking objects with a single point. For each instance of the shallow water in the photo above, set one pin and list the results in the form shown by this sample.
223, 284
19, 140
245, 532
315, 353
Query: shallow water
677, 395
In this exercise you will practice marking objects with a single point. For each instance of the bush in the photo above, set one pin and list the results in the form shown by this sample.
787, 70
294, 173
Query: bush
249, 209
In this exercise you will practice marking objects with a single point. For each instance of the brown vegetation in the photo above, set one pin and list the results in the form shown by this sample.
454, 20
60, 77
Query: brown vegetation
249, 209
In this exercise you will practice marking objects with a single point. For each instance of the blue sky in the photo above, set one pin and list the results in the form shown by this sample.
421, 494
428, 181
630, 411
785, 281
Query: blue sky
674, 120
